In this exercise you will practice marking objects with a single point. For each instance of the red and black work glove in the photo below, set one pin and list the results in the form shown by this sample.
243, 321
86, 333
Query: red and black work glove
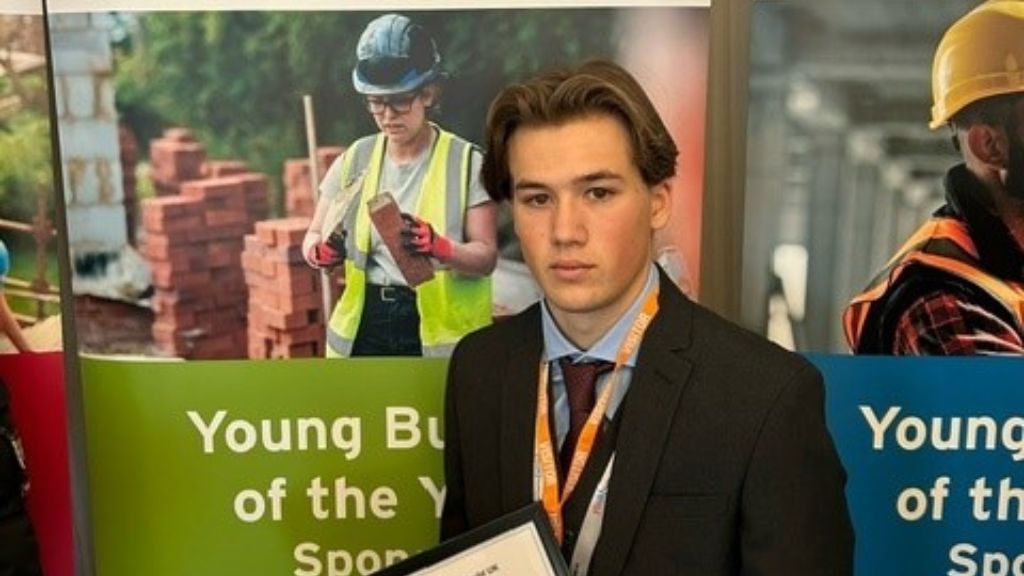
419, 237
328, 253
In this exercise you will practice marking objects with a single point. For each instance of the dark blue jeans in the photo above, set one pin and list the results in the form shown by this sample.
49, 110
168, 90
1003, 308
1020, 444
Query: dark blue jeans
390, 325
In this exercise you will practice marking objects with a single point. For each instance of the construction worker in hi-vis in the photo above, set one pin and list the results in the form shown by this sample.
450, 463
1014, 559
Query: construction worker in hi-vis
446, 214
957, 284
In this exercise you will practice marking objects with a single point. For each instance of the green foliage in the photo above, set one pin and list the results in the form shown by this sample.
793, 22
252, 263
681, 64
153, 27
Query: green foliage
25, 168
237, 78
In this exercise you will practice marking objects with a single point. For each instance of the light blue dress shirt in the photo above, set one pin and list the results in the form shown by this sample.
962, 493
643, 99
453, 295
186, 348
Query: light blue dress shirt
556, 346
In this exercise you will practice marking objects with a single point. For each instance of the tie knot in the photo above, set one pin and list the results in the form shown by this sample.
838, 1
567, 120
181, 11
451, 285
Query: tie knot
580, 378
584, 372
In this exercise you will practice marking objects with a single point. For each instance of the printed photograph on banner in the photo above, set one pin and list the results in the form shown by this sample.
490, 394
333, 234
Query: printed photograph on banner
30, 307
35, 498
266, 184
884, 169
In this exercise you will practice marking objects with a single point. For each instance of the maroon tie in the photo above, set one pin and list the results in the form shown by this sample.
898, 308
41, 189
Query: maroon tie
580, 384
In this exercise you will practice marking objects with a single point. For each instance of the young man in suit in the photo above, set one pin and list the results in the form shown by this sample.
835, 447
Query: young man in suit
702, 448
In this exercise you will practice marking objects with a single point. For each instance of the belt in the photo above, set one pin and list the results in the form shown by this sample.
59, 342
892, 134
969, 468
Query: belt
390, 293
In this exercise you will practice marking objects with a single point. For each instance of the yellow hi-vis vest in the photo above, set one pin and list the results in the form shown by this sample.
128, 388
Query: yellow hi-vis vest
450, 305
943, 244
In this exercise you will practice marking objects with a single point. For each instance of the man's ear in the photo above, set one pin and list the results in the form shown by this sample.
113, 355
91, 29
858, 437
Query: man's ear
987, 144
661, 204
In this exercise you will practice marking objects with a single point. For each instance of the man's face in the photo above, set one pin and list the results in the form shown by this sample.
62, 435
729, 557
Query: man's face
400, 117
584, 215
1013, 179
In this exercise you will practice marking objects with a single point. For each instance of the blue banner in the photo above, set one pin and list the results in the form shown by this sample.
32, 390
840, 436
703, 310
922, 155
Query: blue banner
934, 449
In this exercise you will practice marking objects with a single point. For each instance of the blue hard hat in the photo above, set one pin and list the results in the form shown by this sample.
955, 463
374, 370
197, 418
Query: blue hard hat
394, 55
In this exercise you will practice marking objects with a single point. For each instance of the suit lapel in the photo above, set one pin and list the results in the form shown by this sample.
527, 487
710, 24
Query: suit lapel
518, 379
661, 376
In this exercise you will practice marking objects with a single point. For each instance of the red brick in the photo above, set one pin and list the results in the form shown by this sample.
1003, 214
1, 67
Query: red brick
224, 253
291, 231
218, 168
291, 254
298, 205
306, 350
326, 155
311, 333
217, 218
261, 272
192, 280
286, 302
156, 248
252, 243
216, 347
208, 233
170, 308
171, 207
173, 162
167, 325
281, 320
221, 321
258, 349
164, 247
153, 222
178, 134
217, 193
265, 231
166, 189
296, 172
180, 262
178, 235
296, 284
256, 187
229, 280
196, 302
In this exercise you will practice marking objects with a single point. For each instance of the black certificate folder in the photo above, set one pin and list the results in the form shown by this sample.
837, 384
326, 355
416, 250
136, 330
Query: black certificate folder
517, 544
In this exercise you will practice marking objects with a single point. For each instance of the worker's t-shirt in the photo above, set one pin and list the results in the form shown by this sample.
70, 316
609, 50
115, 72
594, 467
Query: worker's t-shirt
403, 181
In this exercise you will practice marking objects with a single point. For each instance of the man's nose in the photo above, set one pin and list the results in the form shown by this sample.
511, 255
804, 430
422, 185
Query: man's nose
568, 225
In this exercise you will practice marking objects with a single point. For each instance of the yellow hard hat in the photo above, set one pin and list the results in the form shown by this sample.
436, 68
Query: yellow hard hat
981, 55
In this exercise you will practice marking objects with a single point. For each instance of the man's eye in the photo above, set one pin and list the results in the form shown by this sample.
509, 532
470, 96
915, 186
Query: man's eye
599, 193
536, 199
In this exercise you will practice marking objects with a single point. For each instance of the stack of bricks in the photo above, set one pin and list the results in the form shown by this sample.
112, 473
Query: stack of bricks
175, 158
255, 186
298, 193
194, 244
285, 304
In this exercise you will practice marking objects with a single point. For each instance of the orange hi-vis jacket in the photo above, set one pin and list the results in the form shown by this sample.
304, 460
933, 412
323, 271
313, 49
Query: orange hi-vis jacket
942, 244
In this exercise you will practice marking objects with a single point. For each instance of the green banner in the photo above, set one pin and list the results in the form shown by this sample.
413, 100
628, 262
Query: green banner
316, 467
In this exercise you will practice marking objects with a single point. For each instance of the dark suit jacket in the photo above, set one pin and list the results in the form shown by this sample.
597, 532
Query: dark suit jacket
723, 462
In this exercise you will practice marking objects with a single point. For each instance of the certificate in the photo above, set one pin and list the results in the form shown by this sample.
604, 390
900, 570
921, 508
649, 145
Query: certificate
518, 544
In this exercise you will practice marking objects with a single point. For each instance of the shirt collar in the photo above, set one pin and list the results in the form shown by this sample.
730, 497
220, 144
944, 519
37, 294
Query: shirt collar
556, 345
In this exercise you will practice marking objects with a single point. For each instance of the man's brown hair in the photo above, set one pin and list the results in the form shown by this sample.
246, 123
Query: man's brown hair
595, 87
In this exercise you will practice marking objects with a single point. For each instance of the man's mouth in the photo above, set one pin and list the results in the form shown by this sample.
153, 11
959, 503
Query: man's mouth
570, 269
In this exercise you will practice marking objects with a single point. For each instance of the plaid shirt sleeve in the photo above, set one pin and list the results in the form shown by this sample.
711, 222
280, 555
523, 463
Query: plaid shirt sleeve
941, 323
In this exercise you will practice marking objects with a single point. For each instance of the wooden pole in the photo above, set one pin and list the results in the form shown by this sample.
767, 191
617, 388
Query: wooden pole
314, 185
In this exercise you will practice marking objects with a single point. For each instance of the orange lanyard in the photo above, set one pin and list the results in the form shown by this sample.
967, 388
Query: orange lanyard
544, 454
